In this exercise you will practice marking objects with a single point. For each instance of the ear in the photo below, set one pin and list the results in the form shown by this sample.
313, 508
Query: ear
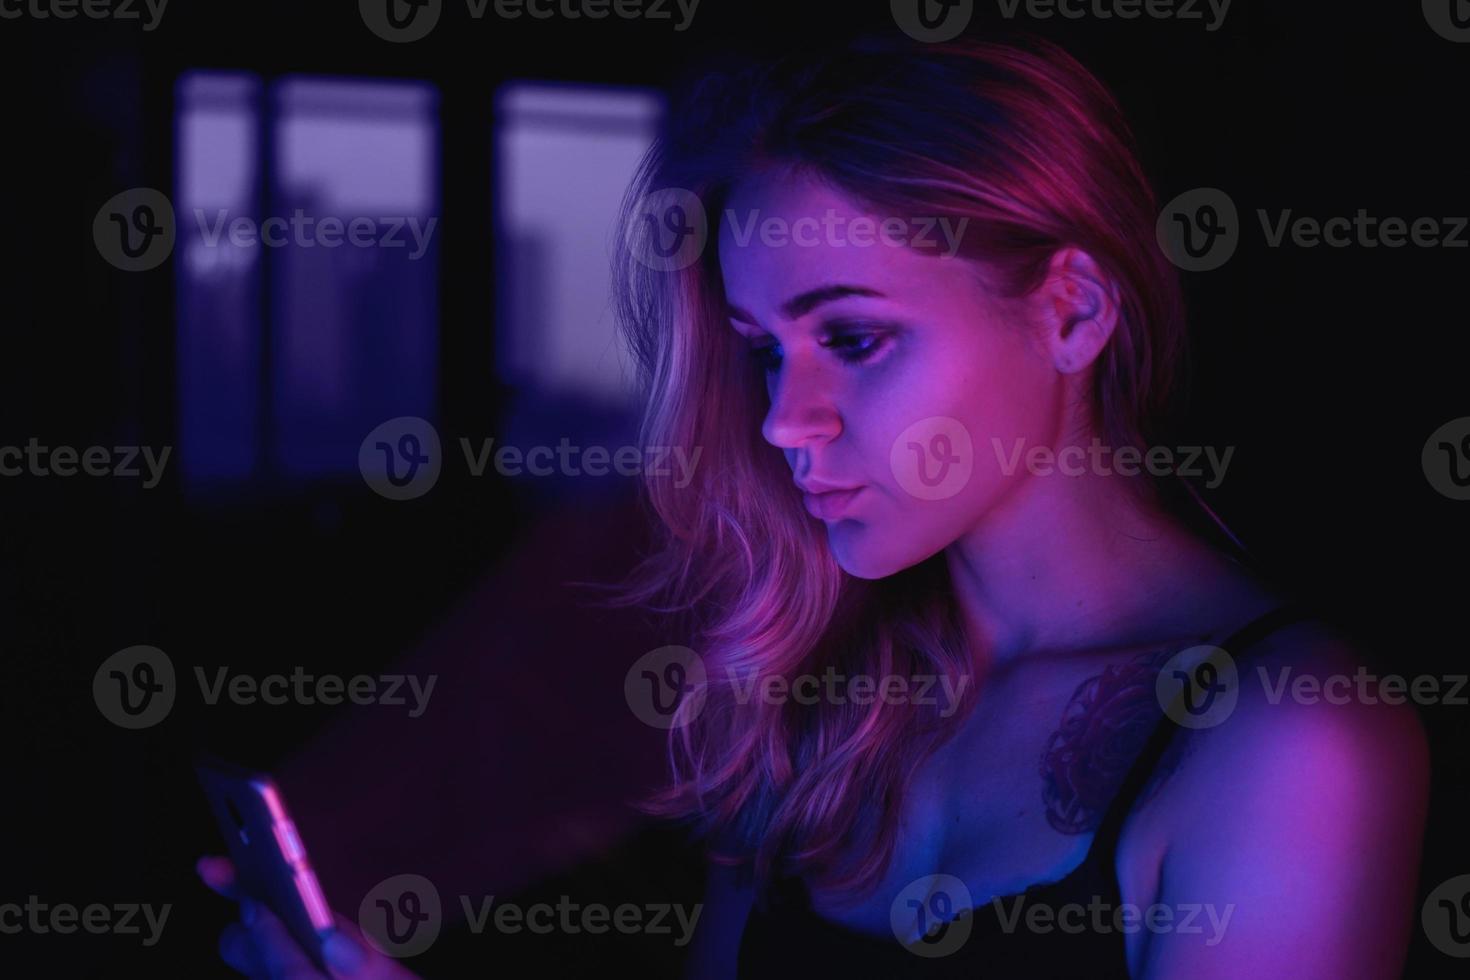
1077, 309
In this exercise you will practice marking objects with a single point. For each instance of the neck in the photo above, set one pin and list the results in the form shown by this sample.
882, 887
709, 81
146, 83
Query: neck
1074, 563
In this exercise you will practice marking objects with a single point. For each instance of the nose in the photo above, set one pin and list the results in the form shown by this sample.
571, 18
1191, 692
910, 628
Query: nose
802, 412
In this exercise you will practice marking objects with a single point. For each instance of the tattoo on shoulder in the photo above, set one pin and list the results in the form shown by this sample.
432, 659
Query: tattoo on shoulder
1104, 727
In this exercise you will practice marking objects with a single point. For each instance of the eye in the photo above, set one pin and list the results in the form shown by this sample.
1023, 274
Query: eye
854, 344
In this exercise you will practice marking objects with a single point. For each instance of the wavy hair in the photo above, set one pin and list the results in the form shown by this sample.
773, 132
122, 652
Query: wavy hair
1014, 135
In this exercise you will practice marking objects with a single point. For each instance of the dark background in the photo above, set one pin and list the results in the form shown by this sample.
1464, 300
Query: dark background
1328, 369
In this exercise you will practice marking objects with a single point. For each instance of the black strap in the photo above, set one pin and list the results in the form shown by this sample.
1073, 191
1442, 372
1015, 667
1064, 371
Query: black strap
1162, 736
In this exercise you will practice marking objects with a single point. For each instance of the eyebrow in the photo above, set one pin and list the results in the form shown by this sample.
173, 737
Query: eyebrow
801, 305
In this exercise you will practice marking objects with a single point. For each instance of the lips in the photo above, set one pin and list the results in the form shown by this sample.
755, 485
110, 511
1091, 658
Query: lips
830, 505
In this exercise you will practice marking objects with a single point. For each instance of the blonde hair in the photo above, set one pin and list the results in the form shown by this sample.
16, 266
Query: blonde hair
1022, 140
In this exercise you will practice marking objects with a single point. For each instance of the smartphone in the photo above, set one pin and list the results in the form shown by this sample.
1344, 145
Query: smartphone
270, 860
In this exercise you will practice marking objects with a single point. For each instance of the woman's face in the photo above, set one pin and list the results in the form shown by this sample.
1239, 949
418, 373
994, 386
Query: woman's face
901, 387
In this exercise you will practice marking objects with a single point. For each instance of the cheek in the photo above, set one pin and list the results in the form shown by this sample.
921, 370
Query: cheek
962, 410
939, 439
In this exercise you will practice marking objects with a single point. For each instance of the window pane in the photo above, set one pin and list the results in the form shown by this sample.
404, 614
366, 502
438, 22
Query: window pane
218, 282
566, 155
354, 294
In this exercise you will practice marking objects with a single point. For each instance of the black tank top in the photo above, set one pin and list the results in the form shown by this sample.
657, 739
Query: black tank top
785, 937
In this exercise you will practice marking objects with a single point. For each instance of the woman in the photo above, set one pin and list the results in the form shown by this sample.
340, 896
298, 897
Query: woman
1055, 323
909, 302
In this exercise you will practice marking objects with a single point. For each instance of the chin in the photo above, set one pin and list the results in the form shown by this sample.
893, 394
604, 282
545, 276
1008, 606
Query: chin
861, 555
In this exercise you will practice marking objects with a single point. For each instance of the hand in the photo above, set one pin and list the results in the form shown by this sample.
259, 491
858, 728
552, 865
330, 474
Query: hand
260, 945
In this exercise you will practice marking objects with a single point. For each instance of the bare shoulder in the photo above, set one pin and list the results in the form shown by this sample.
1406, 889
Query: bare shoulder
1302, 809
1307, 699
1304, 711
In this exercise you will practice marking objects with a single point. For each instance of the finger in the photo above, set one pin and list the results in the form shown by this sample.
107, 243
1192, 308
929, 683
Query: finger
219, 874
352, 957
281, 954
238, 950
346, 955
